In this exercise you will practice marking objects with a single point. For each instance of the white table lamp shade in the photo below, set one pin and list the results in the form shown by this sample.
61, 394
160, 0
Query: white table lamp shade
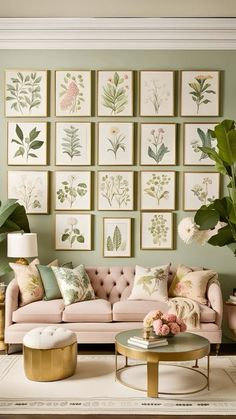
22, 245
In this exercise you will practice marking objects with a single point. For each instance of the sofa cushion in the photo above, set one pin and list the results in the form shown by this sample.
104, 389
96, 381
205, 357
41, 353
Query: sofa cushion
187, 283
74, 284
98, 311
135, 310
150, 283
39, 312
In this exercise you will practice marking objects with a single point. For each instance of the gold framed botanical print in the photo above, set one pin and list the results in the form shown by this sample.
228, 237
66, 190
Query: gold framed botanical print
117, 237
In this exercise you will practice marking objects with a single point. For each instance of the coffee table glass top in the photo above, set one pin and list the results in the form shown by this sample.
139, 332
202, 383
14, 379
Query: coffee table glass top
180, 343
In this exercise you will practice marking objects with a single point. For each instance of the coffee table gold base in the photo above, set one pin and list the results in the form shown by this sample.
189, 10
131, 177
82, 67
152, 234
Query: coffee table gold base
153, 378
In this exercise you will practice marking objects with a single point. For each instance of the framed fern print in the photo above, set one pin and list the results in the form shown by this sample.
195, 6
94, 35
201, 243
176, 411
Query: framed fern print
116, 237
157, 144
195, 136
115, 93
115, 143
156, 230
73, 190
73, 231
73, 93
156, 93
30, 188
73, 143
200, 188
157, 190
25, 93
200, 93
27, 143
115, 190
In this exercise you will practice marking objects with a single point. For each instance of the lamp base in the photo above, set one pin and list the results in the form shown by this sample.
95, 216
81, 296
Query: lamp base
22, 261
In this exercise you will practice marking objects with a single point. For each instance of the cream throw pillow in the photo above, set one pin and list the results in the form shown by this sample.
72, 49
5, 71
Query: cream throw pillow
191, 284
74, 284
150, 283
29, 282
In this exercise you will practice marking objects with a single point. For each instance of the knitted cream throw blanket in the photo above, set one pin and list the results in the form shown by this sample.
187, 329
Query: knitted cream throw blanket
187, 310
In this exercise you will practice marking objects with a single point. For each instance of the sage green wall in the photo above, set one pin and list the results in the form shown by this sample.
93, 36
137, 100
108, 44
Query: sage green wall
221, 260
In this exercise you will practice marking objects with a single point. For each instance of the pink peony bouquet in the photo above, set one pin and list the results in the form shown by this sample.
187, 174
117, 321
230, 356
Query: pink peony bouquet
164, 324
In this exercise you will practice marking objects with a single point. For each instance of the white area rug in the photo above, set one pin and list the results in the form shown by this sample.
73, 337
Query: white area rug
93, 389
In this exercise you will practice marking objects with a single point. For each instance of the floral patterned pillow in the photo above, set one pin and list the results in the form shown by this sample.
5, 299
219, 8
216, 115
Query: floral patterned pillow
74, 284
191, 284
29, 282
150, 283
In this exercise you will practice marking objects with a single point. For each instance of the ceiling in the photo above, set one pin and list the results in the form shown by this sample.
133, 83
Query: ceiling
117, 8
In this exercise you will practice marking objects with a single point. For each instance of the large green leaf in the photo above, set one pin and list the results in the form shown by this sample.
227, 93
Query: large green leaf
7, 208
226, 141
4, 268
222, 238
117, 238
213, 155
19, 217
206, 218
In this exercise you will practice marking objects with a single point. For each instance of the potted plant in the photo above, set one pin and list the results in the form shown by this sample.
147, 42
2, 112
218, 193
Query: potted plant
216, 223
12, 218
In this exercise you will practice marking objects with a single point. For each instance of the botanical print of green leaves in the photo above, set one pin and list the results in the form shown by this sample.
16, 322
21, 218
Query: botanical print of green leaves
26, 93
73, 190
73, 231
115, 190
27, 143
115, 93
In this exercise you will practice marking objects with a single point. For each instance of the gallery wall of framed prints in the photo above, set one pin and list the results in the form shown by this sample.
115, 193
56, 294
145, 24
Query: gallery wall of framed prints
118, 142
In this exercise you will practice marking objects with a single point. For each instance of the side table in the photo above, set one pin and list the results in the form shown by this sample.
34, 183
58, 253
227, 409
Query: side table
2, 326
230, 309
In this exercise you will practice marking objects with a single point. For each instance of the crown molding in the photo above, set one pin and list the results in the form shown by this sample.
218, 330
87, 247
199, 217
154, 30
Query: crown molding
118, 33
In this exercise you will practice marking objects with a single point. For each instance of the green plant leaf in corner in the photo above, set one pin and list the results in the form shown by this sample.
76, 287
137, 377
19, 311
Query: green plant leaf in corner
117, 238
110, 246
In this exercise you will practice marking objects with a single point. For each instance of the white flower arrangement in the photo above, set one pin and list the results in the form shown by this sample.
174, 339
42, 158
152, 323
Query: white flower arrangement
189, 231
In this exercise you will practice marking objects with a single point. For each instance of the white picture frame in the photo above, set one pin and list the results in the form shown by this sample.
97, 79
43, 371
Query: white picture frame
72, 190
117, 237
73, 231
27, 143
200, 188
115, 143
25, 93
115, 190
157, 231
197, 135
73, 144
157, 144
157, 190
30, 188
115, 93
73, 93
156, 93
200, 93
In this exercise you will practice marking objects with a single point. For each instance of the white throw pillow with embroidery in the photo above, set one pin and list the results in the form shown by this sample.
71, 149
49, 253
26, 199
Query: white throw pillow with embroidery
150, 283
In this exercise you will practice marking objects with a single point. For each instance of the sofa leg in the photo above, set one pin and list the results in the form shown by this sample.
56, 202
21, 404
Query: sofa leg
6, 348
196, 364
217, 348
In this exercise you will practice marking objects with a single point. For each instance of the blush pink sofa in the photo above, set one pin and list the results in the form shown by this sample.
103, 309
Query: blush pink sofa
98, 321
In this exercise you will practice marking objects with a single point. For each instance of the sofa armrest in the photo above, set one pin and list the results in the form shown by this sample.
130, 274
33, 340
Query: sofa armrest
215, 300
11, 301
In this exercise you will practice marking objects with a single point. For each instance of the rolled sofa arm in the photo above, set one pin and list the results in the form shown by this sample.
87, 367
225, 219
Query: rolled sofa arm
215, 299
11, 301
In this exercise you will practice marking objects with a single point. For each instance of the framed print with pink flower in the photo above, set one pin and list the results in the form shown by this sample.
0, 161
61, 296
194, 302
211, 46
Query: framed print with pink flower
73, 232
115, 143
157, 144
73, 93
200, 93
115, 93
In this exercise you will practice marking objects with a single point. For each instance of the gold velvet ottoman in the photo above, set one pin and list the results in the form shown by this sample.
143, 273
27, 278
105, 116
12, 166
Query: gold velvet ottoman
50, 353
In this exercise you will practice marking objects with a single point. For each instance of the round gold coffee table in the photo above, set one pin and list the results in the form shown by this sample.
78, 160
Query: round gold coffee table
182, 347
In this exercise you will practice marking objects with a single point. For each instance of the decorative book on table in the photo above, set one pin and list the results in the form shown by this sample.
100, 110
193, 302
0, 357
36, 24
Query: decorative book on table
152, 342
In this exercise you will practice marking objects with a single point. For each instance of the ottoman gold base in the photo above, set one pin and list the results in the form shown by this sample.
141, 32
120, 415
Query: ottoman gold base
50, 364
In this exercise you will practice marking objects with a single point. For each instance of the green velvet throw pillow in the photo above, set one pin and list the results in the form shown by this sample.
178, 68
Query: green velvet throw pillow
51, 288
